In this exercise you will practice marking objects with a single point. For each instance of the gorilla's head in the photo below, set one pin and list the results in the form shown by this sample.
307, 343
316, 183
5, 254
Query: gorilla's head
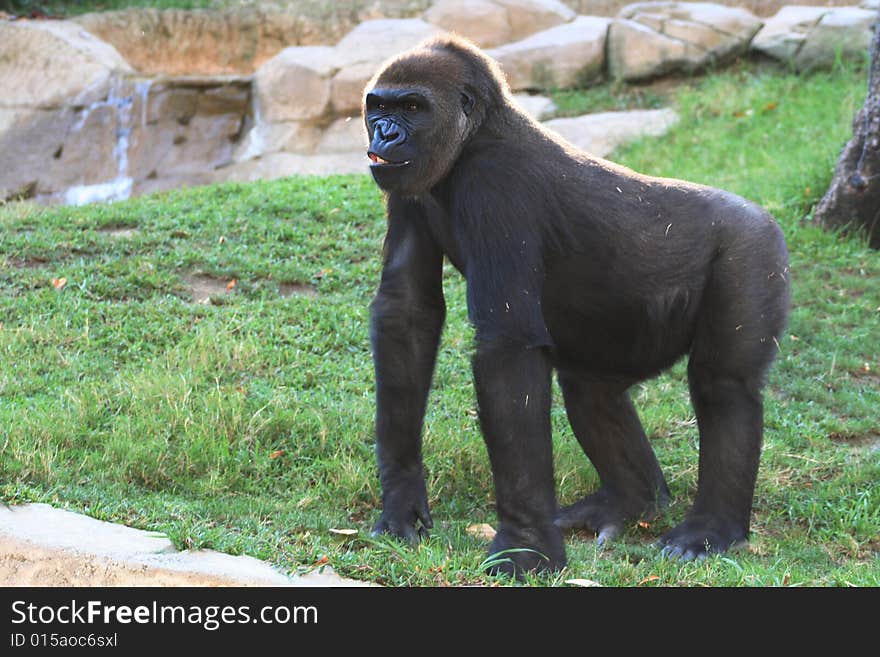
422, 107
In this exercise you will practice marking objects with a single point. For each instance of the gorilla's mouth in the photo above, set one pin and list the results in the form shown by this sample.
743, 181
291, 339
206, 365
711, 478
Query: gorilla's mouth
382, 162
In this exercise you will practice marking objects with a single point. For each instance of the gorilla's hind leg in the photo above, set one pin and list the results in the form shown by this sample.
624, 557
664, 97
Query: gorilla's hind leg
607, 426
744, 311
729, 415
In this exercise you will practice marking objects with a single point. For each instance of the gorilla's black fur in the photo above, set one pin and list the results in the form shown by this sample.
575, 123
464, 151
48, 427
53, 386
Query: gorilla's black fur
574, 264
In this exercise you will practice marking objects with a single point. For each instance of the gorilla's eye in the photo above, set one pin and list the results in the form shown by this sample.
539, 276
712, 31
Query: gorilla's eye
412, 107
381, 107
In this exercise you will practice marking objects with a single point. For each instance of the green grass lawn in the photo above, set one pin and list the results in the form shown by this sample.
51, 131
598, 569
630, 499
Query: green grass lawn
245, 424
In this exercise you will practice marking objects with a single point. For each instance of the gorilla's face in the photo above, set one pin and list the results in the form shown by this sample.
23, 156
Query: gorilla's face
400, 125
418, 114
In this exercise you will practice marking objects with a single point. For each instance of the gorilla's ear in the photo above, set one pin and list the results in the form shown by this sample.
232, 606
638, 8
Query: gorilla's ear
467, 101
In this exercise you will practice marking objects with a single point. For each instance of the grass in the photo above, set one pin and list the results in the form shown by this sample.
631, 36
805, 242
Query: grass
245, 425
611, 97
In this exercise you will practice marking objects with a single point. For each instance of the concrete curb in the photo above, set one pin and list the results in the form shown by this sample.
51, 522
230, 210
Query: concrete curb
40, 533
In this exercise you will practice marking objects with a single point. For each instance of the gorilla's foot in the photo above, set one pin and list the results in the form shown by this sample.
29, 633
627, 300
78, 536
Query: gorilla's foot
699, 536
405, 514
517, 551
606, 514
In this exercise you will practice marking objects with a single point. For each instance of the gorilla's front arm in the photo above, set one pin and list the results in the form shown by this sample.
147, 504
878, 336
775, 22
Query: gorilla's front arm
406, 322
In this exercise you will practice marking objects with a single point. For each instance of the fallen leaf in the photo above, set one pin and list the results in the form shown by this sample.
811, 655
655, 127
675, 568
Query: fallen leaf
481, 531
582, 582
649, 578
344, 532
221, 240
231, 284
866, 368
786, 579
276, 454
644, 525
769, 107
322, 560
794, 337
59, 283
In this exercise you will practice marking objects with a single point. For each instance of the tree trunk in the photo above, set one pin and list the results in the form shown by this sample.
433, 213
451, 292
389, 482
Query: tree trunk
853, 199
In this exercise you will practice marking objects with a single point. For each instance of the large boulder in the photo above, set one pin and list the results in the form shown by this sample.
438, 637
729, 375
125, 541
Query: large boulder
601, 133
52, 64
490, 23
784, 34
347, 88
377, 40
654, 38
362, 51
813, 37
843, 31
569, 55
295, 84
482, 21
529, 16
59, 110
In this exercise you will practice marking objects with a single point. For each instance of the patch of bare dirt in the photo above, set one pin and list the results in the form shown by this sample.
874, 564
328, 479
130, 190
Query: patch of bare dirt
204, 288
296, 289
25, 564
869, 441
26, 263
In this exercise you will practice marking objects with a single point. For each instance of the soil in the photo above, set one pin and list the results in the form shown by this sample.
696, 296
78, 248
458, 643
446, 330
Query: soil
25, 564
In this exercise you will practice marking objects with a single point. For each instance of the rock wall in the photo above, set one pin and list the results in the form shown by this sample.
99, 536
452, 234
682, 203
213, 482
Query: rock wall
649, 39
51, 72
207, 42
179, 42
79, 123
812, 37
757, 7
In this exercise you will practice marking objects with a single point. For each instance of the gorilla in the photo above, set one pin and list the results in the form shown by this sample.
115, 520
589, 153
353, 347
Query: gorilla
572, 264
